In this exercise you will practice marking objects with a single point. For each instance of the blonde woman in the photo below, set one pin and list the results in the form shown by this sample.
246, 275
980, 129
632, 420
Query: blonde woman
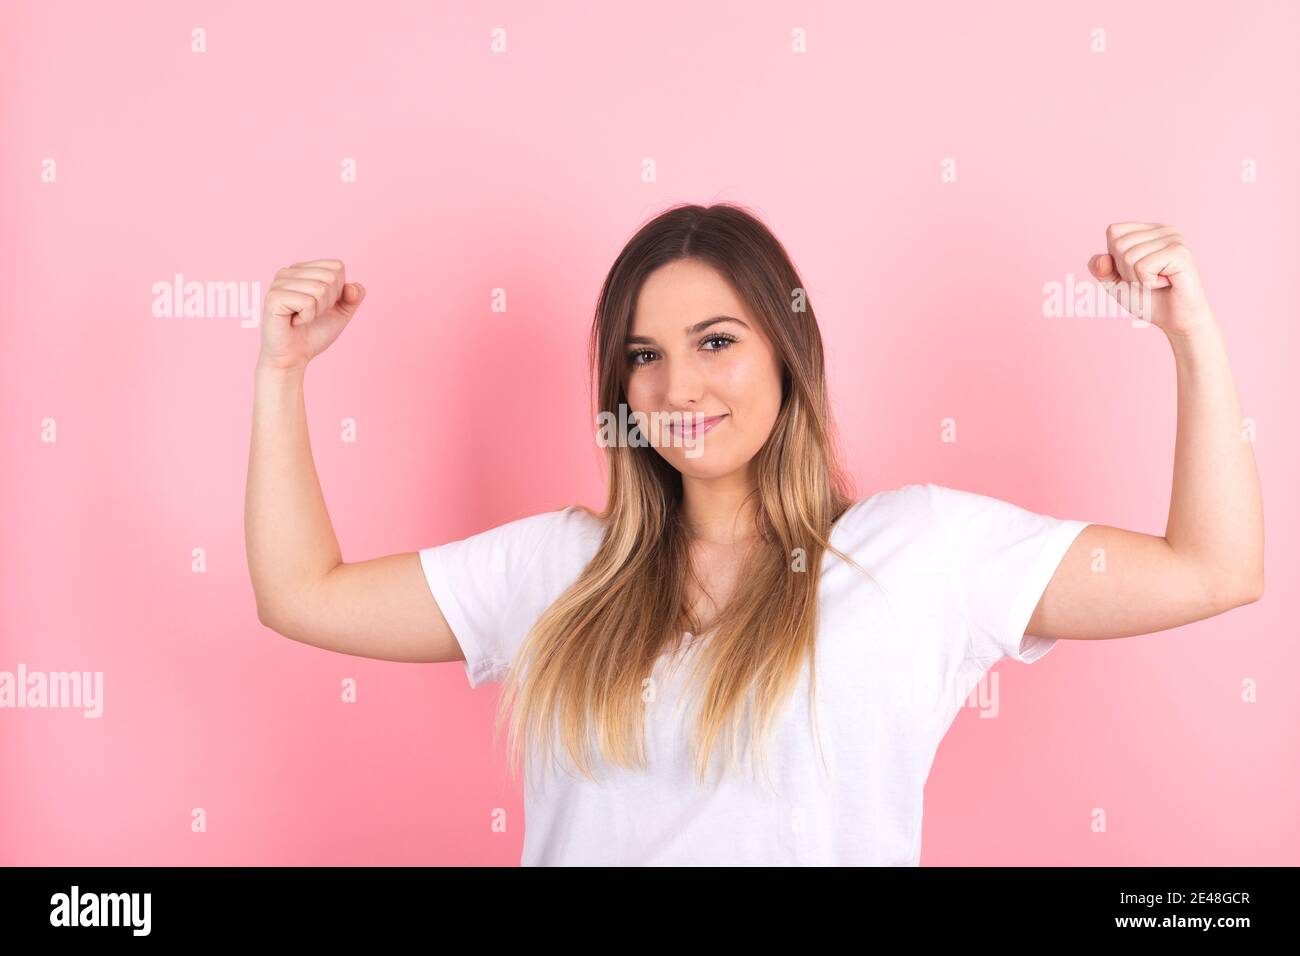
737, 661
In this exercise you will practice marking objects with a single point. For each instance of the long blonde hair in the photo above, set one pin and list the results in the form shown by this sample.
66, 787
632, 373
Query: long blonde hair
583, 667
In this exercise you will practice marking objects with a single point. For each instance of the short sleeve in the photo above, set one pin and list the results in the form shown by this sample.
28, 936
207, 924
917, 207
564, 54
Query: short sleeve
493, 586
1001, 559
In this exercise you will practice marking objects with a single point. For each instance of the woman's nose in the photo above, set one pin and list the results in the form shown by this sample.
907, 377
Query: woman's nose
685, 382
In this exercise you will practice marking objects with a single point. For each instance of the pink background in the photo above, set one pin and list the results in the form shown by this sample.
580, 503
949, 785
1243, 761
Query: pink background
522, 171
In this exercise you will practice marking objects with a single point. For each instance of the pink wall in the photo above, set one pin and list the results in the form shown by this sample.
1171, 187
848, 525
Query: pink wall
522, 171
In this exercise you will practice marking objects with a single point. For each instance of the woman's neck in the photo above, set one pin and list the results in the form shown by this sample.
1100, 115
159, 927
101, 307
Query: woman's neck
720, 513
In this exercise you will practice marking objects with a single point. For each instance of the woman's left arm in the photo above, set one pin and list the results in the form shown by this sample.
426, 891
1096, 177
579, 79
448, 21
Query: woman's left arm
1211, 557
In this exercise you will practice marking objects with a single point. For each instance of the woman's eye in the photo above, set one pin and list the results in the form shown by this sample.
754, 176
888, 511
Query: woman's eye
723, 340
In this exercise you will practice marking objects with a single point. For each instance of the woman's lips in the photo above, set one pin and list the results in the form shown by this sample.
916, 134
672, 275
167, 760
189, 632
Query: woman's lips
691, 426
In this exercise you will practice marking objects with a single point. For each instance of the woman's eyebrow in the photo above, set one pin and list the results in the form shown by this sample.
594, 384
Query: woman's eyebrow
697, 327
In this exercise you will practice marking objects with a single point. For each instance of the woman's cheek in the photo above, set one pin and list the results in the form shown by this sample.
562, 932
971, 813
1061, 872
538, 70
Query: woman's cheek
736, 374
750, 378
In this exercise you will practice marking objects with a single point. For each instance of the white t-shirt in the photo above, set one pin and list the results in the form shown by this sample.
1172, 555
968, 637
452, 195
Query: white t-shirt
963, 573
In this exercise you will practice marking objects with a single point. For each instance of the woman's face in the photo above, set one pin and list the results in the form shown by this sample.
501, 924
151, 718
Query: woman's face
726, 369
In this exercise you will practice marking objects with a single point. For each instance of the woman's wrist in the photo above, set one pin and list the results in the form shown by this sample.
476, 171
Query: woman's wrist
1195, 336
279, 375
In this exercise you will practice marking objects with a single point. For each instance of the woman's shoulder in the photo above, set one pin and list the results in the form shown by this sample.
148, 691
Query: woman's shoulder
953, 512
572, 516
580, 520
570, 527
575, 528
908, 504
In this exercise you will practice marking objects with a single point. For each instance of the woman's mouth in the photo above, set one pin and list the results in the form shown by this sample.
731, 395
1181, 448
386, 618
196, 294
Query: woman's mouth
691, 426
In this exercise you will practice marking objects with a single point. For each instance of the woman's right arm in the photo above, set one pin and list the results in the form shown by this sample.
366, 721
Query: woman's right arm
381, 608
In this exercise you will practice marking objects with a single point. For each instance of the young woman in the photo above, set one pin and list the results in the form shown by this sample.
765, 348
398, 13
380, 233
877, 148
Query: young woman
830, 641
